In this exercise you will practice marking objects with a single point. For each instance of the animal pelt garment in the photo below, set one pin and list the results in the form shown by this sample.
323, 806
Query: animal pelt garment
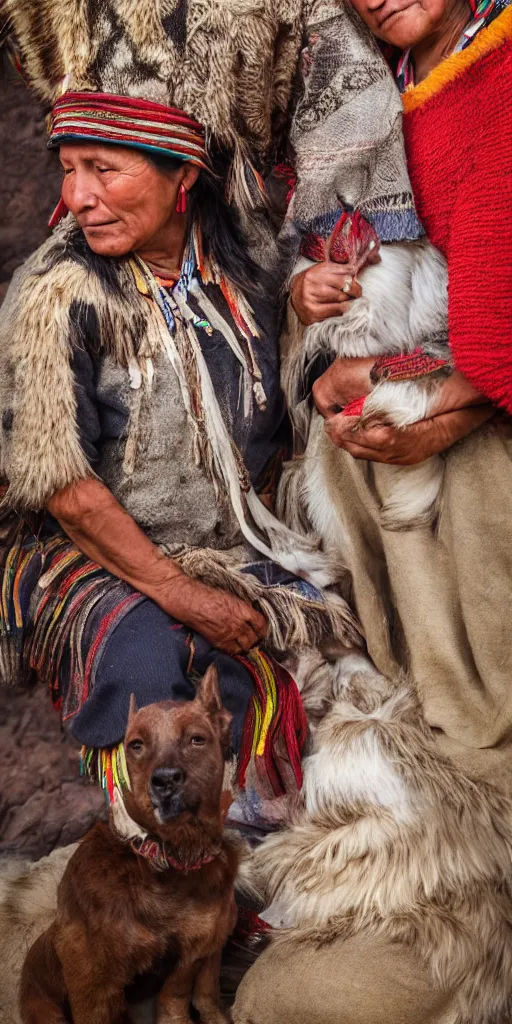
45, 324
349, 152
228, 63
393, 843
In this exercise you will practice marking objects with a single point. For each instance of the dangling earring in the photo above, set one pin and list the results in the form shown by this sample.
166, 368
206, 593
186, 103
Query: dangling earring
181, 205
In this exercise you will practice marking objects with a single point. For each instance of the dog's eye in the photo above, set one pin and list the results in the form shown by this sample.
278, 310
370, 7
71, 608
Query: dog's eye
197, 741
136, 746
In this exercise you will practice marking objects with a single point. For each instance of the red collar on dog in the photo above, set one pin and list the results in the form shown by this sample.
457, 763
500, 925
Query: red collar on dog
154, 850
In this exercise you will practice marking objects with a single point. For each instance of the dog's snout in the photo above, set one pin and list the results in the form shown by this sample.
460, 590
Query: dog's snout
165, 781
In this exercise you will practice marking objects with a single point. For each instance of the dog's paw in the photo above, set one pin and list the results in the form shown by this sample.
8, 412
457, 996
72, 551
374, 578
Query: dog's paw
210, 1013
164, 1017
213, 1016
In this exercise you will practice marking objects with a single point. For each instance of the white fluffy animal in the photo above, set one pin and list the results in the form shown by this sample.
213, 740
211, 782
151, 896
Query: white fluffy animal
392, 841
403, 307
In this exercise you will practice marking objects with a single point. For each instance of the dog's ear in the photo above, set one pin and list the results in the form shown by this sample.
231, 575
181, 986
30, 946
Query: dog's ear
133, 709
208, 694
208, 691
223, 722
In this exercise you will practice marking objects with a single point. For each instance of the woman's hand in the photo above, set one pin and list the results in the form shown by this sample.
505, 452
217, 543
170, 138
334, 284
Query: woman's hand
103, 530
405, 446
224, 620
342, 383
456, 393
322, 291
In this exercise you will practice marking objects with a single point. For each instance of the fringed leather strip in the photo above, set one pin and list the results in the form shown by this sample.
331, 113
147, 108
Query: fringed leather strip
297, 616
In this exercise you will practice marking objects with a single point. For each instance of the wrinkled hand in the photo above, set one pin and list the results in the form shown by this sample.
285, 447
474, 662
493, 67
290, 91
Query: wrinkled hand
455, 393
224, 620
406, 446
324, 290
343, 382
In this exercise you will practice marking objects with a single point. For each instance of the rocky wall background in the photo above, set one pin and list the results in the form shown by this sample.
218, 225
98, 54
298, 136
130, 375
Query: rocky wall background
43, 801
29, 176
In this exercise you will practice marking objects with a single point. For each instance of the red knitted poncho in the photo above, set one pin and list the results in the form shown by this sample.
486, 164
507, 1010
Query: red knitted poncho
458, 133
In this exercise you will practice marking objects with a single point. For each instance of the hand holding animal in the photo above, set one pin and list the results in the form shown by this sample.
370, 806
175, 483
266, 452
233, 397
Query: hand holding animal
153, 890
353, 211
395, 323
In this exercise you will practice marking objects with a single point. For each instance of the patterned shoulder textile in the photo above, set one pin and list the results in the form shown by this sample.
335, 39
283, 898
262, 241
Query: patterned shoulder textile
347, 132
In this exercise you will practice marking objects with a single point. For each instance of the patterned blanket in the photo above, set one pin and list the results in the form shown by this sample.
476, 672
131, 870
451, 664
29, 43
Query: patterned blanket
347, 132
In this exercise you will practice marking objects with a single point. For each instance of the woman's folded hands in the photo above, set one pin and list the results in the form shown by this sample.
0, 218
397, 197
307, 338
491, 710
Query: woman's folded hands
325, 290
405, 446
459, 410
101, 528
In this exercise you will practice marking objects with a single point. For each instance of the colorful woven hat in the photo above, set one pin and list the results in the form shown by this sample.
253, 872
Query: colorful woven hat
175, 76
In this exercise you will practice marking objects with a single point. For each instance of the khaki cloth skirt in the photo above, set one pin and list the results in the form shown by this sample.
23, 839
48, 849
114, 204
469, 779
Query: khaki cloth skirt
437, 604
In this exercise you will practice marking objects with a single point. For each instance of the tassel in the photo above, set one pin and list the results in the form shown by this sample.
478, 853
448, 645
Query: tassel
181, 205
59, 212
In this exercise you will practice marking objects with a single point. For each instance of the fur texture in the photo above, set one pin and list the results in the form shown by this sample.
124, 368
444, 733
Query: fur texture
294, 621
229, 63
391, 840
403, 307
36, 372
28, 901
37, 391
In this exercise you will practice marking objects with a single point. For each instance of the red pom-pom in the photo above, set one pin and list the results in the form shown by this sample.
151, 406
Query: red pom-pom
313, 247
355, 408
353, 241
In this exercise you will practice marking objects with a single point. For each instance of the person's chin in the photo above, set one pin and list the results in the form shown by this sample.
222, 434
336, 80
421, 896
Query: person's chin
106, 243
403, 29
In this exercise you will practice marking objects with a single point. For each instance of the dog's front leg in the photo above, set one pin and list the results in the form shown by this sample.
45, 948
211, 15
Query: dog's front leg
97, 1004
176, 995
206, 997
95, 996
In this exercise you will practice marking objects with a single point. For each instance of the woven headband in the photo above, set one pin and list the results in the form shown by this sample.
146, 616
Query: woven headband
140, 124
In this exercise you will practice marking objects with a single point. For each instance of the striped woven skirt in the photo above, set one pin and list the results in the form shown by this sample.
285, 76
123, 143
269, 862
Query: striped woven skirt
93, 641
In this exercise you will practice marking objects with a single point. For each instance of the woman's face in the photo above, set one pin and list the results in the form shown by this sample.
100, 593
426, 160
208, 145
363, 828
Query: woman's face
403, 23
121, 201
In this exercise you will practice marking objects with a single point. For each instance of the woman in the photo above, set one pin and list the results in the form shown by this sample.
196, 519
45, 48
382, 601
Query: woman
141, 409
434, 602
437, 603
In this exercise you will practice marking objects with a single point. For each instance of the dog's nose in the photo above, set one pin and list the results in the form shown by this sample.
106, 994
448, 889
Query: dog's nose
165, 781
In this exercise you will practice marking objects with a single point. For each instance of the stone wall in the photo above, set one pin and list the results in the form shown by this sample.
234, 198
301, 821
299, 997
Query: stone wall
43, 801
29, 176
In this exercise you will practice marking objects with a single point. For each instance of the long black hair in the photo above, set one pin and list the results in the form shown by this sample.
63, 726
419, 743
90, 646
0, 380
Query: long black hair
222, 234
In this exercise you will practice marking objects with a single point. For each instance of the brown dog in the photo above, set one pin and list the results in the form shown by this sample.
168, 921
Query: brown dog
154, 890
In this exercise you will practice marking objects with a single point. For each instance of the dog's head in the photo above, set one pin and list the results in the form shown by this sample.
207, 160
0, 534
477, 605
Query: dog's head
175, 753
